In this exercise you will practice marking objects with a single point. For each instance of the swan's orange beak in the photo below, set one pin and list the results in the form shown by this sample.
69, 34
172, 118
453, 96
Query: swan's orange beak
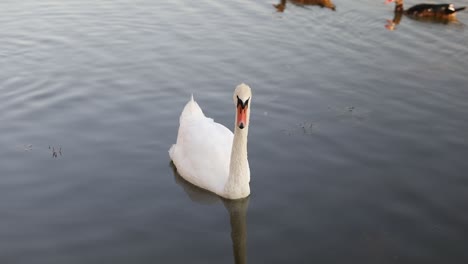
388, 1
242, 116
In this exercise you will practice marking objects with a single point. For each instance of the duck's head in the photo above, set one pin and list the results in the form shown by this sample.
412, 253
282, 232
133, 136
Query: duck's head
242, 100
398, 2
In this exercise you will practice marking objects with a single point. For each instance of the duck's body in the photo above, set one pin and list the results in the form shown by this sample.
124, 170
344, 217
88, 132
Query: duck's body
427, 10
322, 3
209, 155
433, 10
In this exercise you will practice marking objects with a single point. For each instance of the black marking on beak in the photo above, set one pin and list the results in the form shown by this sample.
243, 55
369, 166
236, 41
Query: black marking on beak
241, 126
242, 104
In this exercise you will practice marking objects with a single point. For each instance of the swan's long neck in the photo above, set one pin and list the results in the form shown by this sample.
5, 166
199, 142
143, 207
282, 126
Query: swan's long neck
237, 185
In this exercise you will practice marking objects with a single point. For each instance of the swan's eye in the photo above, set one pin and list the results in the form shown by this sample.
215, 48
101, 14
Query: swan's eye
242, 104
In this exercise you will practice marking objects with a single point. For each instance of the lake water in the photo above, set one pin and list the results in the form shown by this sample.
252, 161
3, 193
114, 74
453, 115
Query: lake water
358, 142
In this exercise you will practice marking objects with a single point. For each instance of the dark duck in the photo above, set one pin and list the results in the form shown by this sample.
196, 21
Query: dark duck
443, 11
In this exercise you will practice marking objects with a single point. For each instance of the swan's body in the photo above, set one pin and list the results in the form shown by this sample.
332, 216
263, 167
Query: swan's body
209, 155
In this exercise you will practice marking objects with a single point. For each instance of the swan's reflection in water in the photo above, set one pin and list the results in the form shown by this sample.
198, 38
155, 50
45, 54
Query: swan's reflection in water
238, 216
392, 24
237, 210
281, 6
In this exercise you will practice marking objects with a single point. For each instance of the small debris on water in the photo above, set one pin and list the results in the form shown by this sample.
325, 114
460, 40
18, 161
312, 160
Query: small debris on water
56, 152
27, 147
303, 128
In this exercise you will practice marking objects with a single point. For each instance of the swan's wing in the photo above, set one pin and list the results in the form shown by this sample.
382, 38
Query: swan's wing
191, 111
202, 154
203, 150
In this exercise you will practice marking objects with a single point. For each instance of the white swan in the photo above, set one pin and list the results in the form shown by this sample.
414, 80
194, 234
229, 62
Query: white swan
209, 155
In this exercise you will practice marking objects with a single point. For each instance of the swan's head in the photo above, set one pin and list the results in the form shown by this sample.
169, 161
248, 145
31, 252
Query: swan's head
242, 100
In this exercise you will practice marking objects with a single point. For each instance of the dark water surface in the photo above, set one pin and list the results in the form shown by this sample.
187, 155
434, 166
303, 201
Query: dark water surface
358, 143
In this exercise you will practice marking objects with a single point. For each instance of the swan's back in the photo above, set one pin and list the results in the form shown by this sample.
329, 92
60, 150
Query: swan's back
203, 149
